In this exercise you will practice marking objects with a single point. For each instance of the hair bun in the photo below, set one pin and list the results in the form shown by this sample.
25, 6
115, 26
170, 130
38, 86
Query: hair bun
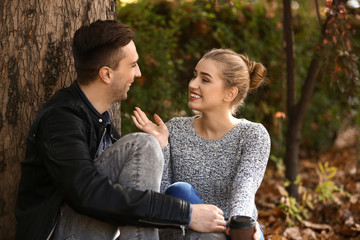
257, 72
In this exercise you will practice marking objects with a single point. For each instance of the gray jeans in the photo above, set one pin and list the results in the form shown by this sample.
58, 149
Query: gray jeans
174, 234
136, 161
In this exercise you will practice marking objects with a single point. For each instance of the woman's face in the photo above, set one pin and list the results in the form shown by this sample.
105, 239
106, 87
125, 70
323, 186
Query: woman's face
206, 88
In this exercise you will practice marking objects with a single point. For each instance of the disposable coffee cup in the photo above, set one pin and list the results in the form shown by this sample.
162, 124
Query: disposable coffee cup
242, 228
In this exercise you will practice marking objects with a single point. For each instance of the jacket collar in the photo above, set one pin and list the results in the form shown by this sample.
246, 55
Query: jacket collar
104, 118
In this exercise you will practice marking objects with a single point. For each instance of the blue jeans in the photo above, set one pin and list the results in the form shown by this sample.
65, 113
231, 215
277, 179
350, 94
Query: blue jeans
136, 161
186, 192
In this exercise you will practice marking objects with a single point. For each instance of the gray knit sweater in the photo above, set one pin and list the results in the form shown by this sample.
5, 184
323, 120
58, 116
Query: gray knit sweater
225, 172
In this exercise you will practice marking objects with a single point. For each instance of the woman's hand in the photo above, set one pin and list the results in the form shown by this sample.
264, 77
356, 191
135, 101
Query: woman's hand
158, 130
257, 232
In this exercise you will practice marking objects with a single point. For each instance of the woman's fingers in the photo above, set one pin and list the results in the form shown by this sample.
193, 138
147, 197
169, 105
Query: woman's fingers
137, 124
158, 120
138, 118
257, 234
142, 115
142, 119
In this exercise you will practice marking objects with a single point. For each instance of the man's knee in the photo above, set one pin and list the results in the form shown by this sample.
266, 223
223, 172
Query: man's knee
146, 145
147, 139
143, 139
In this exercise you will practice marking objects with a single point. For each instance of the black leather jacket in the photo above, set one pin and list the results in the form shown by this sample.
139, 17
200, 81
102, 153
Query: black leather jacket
58, 167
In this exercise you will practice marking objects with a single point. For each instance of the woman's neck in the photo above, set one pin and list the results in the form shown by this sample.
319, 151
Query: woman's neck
214, 126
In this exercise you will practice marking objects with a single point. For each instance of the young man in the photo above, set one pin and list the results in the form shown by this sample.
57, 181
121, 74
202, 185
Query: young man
80, 180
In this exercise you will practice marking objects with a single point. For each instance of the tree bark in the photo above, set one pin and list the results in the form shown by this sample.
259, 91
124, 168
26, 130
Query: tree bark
35, 61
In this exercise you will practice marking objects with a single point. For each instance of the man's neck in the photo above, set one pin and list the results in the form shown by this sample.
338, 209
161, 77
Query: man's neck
96, 94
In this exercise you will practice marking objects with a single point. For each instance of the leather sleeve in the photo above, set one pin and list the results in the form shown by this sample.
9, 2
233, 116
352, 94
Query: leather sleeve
65, 152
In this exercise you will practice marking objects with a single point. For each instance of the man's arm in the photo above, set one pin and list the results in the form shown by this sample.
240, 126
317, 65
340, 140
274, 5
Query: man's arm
65, 152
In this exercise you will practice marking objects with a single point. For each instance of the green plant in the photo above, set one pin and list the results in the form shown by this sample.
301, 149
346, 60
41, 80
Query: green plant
278, 161
293, 210
324, 192
172, 36
326, 188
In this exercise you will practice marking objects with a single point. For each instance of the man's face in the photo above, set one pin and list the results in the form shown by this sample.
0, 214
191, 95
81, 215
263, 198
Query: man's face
125, 74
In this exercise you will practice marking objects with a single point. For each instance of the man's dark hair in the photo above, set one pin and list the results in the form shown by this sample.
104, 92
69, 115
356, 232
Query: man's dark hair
98, 45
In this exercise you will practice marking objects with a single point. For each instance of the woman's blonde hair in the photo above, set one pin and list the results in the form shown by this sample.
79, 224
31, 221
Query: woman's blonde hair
238, 71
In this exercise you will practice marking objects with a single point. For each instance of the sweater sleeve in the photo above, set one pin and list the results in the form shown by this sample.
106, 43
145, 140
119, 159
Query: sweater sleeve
253, 158
166, 179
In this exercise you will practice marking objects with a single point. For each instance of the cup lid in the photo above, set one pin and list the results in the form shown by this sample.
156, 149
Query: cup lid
241, 222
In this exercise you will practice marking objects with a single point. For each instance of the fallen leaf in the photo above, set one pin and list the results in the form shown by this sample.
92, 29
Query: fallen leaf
309, 234
276, 237
316, 226
293, 233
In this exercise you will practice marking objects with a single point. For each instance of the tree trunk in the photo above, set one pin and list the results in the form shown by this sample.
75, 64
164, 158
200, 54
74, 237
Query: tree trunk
293, 140
295, 111
35, 61
292, 135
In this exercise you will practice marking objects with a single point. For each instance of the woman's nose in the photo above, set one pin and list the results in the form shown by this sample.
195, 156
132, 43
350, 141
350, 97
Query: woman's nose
193, 83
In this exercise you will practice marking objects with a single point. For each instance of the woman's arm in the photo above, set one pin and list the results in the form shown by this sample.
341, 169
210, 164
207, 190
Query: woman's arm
253, 158
158, 130
161, 132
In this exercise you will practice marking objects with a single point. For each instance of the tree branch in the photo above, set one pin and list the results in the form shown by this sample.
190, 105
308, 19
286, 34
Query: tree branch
318, 12
289, 48
308, 88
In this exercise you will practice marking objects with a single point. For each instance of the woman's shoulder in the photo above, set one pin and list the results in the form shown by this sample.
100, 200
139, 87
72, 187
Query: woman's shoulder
180, 123
249, 128
180, 120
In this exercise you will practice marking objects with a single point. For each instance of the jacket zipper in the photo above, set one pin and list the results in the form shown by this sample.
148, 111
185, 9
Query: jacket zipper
102, 137
183, 227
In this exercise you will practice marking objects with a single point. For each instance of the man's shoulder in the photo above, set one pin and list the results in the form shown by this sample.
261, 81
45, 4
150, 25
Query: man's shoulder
64, 103
64, 96
68, 98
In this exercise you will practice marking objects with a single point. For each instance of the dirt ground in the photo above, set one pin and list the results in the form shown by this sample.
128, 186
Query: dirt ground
335, 217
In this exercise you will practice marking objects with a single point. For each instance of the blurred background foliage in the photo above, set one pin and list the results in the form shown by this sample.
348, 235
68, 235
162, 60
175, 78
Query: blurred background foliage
171, 36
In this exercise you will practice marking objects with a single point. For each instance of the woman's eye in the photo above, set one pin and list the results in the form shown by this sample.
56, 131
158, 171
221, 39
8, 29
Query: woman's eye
205, 80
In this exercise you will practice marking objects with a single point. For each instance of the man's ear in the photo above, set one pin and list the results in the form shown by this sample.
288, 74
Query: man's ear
105, 74
231, 94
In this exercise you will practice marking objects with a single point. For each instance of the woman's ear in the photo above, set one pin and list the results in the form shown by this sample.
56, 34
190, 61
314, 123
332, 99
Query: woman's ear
231, 94
105, 74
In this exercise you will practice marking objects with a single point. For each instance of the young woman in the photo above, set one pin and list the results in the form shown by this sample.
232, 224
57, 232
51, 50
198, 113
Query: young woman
220, 156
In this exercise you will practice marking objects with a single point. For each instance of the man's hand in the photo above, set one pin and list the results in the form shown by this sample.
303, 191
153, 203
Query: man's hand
158, 130
207, 218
